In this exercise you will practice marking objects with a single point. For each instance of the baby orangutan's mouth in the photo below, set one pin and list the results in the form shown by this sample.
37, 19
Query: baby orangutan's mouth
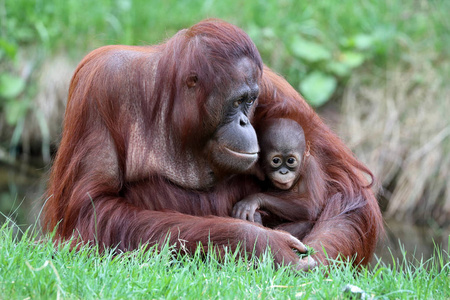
283, 185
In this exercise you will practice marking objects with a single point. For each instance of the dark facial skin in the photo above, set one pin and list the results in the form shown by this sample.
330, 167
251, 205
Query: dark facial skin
283, 146
234, 147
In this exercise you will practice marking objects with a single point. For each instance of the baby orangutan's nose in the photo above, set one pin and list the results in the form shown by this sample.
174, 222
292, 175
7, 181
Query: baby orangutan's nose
284, 171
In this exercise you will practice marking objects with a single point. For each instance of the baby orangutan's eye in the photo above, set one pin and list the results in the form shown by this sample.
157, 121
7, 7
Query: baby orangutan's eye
291, 162
276, 162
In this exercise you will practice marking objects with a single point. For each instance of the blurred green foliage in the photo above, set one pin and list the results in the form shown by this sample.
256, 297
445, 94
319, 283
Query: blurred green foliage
316, 45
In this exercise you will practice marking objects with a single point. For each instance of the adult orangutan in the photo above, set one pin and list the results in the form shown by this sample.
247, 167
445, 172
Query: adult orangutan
153, 136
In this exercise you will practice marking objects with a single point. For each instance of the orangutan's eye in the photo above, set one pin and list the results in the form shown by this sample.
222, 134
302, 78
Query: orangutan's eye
237, 103
250, 100
291, 162
276, 162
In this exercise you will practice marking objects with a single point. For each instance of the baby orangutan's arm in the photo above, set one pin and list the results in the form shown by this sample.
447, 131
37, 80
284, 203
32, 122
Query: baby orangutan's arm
288, 209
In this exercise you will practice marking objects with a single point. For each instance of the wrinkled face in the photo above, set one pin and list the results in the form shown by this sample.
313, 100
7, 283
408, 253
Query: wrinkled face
234, 146
283, 147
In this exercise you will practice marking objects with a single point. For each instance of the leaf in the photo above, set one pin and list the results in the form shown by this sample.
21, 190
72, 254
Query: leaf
363, 41
11, 86
268, 32
352, 59
317, 87
42, 31
347, 61
9, 48
309, 251
309, 51
15, 110
339, 69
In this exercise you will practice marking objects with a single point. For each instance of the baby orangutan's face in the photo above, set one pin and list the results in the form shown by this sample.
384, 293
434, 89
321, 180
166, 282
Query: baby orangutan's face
283, 168
282, 145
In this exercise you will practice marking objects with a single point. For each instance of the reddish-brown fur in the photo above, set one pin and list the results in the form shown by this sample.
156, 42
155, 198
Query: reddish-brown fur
347, 219
109, 184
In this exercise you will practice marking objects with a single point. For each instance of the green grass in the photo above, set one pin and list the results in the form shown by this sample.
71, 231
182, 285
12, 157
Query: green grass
32, 268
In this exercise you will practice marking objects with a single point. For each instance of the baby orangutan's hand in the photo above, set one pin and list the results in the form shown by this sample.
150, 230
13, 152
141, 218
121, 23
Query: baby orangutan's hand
246, 209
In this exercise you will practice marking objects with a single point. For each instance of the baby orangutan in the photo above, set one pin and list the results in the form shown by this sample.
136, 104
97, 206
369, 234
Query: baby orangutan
294, 180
